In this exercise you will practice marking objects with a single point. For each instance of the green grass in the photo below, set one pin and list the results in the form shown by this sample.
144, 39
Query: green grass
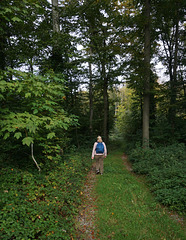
126, 208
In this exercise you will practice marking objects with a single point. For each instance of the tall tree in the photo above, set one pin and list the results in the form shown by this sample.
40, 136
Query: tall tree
137, 53
91, 95
170, 18
97, 31
55, 16
147, 53
56, 53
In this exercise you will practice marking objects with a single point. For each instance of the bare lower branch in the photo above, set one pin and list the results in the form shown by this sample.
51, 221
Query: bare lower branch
32, 153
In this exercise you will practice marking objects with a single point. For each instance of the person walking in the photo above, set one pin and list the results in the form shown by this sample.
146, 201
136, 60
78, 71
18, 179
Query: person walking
99, 151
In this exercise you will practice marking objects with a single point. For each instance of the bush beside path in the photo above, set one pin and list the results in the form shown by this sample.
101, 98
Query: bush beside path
41, 206
124, 208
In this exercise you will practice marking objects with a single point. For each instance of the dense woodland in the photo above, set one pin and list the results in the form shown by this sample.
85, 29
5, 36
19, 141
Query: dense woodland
72, 70
62, 67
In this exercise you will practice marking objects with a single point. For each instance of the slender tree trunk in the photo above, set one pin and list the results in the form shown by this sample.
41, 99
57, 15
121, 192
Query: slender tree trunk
55, 15
183, 85
31, 68
105, 99
91, 98
2, 52
141, 110
146, 100
56, 53
173, 80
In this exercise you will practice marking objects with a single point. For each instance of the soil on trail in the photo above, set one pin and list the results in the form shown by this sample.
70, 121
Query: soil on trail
127, 164
85, 221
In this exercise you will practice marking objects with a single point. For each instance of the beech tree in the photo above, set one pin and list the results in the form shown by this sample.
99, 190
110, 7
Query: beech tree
137, 35
147, 58
99, 37
170, 18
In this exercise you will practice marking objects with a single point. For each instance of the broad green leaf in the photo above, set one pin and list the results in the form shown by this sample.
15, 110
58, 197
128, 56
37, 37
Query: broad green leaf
48, 126
28, 95
27, 141
19, 89
65, 126
16, 8
35, 111
18, 135
51, 135
6, 10
3, 85
1, 97
37, 5
6, 135
16, 19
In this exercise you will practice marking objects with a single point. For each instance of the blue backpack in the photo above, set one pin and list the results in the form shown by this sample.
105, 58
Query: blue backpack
100, 148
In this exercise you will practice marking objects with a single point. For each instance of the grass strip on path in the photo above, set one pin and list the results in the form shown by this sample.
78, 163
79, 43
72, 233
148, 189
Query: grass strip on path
126, 208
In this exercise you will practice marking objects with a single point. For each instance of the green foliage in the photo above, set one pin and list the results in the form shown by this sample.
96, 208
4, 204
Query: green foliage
24, 33
162, 133
32, 107
41, 206
166, 171
32, 111
128, 119
128, 122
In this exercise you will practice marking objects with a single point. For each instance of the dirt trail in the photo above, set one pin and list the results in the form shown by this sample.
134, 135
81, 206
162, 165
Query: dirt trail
126, 163
85, 221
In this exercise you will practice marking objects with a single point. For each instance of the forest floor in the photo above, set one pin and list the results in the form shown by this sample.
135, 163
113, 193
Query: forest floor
112, 210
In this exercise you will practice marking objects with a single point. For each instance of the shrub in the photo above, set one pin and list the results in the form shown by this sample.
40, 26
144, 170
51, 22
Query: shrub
33, 111
41, 206
166, 171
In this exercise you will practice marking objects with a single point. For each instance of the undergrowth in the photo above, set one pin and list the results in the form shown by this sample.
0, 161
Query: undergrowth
165, 168
41, 206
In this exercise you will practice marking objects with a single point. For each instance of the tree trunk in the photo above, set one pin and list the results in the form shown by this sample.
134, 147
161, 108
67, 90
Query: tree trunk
105, 99
31, 67
146, 100
2, 53
56, 52
91, 98
173, 80
55, 15
183, 85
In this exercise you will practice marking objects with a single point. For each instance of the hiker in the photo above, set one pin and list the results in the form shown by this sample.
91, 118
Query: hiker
99, 152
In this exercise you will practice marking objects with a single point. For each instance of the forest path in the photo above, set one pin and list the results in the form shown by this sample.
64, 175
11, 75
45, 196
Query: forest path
118, 205
85, 221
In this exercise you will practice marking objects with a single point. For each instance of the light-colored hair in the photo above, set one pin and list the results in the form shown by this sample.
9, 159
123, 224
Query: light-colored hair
99, 139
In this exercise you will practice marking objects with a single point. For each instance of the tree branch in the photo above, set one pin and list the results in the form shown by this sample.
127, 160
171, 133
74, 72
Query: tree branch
32, 153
